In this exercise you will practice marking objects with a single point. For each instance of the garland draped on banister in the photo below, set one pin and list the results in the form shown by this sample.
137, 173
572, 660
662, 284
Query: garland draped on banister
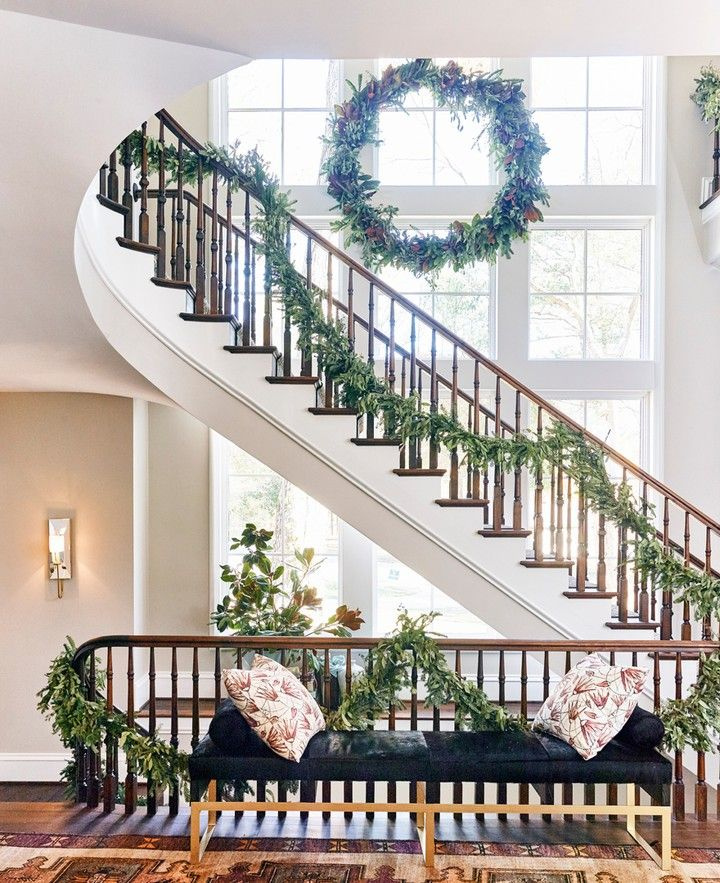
557, 446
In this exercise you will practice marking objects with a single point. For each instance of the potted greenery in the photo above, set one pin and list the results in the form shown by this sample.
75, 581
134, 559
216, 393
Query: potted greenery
707, 97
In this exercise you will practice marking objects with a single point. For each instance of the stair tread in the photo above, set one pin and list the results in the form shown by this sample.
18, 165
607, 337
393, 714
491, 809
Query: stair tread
590, 593
334, 412
206, 317
633, 625
179, 284
504, 532
376, 442
462, 502
112, 204
143, 247
548, 563
297, 379
410, 472
252, 350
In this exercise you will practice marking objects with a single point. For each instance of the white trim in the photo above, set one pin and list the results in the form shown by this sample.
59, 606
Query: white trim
217, 110
32, 767
218, 496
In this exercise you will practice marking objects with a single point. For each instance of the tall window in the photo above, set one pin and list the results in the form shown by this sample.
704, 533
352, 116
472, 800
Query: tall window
281, 106
421, 144
591, 112
588, 292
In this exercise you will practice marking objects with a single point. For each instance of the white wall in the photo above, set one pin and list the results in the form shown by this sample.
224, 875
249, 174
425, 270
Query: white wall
692, 316
61, 455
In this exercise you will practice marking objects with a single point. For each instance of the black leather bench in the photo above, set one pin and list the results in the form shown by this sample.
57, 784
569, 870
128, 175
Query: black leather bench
429, 759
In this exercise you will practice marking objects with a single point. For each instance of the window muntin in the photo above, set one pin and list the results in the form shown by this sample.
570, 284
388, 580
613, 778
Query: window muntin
261, 496
592, 112
588, 293
399, 586
619, 422
281, 106
422, 145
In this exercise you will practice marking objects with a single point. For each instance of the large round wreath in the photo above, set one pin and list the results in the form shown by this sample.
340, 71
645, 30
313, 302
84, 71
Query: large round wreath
515, 143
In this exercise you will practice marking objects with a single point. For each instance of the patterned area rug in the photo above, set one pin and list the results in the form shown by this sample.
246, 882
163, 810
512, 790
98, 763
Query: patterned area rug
42, 858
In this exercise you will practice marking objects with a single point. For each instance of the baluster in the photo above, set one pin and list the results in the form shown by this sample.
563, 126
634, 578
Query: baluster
546, 674
517, 491
131, 777
524, 792
501, 786
391, 348
497, 488
306, 353
93, 792
476, 426
679, 782
112, 181
214, 300
246, 337
227, 299
329, 317
412, 442
568, 529
217, 674
433, 456
457, 786
287, 333
560, 524
418, 441
622, 581
188, 228
370, 418
200, 244
454, 489
173, 238
552, 503
253, 296
127, 198
110, 778
348, 786
350, 311
707, 623
538, 513
161, 260
686, 628
195, 738
582, 545
179, 204
468, 469
666, 612
174, 798
267, 315
144, 219
480, 681
232, 233
152, 726
601, 565
102, 190
643, 598
701, 791
370, 786
413, 721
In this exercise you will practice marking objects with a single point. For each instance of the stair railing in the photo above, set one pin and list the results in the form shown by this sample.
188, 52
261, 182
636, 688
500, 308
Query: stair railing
200, 247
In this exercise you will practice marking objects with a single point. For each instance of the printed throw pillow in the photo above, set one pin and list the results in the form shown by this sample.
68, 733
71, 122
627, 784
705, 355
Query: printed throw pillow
591, 704
278, 708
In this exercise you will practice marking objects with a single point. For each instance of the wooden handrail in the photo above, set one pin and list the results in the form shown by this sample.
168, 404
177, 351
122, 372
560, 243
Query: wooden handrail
638, 472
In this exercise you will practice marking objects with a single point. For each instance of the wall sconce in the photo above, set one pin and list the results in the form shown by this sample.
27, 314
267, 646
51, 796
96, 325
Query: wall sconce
59, 551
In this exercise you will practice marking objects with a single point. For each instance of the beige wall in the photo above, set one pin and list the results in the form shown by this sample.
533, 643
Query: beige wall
178, 531
692, 316
60, 455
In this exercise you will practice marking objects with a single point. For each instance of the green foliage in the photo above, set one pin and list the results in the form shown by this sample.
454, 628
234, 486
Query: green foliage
257, 603
695, 721
707, 94
410, 646
79, 720
516, 145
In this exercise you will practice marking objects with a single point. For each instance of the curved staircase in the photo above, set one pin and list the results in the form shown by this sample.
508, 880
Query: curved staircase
174, 276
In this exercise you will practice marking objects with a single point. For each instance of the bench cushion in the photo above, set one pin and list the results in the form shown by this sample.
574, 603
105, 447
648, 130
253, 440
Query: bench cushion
537, 758
358, 756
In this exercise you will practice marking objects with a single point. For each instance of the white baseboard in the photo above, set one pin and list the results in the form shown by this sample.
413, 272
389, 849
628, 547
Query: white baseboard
20, 767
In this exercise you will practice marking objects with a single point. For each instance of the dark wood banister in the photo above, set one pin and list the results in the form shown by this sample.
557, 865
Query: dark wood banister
662, 489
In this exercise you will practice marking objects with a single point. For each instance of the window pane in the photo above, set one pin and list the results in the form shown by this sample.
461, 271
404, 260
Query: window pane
311, 83
405, 155
258, 129
615, 147
303, 147
467, 316
564, 131
257, 84
613, 327
461, 157
254, 499
241, 463
619, 423
473, 279
616, 82
614, 260
558, 82
557, 259
556, 326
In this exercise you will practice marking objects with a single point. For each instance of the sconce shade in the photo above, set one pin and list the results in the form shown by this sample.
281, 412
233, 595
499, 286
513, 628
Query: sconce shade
57, 547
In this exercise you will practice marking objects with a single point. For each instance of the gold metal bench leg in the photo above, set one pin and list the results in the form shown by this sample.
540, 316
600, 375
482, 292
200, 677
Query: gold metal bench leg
664, 859
665, 852
198, 844
429, 837
421, 801
630, 800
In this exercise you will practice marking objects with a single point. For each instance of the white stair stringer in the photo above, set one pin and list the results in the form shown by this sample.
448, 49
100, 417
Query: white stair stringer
229, 393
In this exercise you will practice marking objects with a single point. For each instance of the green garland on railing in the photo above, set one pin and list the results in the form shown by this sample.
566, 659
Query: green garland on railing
558, 445
78, 720
389, 672
707, 94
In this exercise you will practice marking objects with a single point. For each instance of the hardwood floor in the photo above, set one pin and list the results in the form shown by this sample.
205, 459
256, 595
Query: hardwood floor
55, 818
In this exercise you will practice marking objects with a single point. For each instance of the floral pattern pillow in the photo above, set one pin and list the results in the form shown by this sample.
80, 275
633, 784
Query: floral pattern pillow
278, 708
591, 704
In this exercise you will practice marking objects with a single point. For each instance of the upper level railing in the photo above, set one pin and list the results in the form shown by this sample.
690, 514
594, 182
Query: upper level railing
199, 245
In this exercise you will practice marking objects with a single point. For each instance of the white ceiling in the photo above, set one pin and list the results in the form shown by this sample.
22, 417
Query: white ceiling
77, 75
373, 28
